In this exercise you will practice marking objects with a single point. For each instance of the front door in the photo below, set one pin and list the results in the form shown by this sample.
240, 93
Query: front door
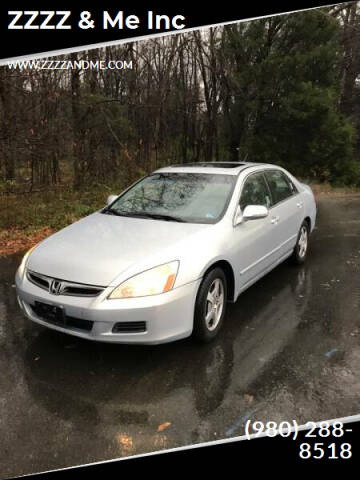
253, 240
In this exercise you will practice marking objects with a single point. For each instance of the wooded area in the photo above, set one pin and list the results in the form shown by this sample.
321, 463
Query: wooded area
283, 90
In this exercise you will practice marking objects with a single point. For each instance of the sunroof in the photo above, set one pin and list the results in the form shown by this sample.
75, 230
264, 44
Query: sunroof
210, 164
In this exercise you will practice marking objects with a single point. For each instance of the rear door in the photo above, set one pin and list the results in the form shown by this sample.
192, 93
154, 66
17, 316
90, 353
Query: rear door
286, 212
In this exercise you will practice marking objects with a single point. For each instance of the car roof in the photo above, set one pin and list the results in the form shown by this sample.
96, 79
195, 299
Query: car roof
228, 168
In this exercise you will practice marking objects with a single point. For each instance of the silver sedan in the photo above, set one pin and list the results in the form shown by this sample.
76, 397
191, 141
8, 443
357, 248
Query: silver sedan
163, 258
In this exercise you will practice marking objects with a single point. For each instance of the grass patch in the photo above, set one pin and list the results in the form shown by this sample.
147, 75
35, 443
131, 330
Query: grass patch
27, 219
327, 189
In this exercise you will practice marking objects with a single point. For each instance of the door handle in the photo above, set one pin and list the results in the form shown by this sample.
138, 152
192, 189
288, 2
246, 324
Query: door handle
275, 220
299, 204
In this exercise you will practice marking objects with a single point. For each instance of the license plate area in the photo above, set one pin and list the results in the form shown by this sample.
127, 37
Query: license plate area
50, 313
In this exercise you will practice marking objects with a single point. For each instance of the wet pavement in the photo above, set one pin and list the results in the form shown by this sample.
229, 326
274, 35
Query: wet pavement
290, 349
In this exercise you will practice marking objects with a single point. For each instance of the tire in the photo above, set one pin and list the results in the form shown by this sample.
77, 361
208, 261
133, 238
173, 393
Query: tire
208, 316
302, 244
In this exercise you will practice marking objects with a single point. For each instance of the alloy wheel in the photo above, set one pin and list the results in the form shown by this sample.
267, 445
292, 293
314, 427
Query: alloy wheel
303, 241
214, 304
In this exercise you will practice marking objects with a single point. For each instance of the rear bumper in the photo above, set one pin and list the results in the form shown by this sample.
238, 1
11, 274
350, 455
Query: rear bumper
168, 317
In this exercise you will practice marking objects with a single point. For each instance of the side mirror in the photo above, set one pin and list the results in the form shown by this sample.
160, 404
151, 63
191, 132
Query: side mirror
110, 199
254, 212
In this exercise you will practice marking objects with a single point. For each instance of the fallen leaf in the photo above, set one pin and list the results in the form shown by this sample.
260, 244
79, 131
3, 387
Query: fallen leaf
162, 426
125, 441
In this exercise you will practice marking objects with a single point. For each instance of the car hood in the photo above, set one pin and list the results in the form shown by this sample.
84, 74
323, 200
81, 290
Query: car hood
99, 248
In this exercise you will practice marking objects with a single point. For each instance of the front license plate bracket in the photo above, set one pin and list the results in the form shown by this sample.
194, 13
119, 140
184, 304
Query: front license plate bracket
50, 313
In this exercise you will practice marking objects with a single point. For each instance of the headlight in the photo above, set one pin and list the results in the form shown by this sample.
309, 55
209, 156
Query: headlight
157, 280
24, 260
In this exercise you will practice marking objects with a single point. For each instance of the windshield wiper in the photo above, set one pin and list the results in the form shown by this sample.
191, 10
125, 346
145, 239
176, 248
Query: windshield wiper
156, 216
110, 211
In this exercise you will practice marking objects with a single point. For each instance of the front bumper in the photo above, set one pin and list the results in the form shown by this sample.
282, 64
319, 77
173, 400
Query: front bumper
168, 316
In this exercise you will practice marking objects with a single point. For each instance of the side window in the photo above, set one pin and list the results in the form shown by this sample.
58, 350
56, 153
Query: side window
292, 186
280, 185
255, 192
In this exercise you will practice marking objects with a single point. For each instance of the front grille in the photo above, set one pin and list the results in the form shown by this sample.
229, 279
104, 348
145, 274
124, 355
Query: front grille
81, 291
66, 288
56, 316
129, 327
38, 280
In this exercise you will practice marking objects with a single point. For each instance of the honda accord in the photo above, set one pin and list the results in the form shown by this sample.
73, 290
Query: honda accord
163, 258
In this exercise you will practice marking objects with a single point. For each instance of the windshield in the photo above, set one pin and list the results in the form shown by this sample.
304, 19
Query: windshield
182, 197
